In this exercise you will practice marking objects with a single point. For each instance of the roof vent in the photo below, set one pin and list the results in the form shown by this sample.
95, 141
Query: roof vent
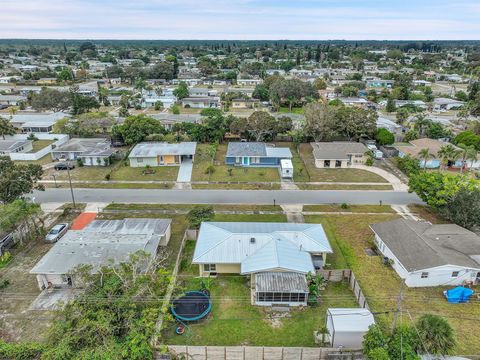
252, 240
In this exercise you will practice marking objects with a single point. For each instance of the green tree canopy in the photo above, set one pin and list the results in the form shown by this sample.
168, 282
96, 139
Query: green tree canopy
18, 180
136, 128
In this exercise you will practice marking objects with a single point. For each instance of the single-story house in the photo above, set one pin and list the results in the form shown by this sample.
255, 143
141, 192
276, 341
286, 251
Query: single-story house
441, 104
429, 255
255, 154
91, 151
433, 146
36, 122
338, 154
99, 243
244, 103
249, 82
168, 120
12, 100
15, 146
201, 103
390, 125
277, 256
347, 326
161, 153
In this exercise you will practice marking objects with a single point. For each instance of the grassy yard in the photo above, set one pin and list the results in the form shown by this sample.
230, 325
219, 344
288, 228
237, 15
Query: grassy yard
79, 173
350, 208
295, 110
221, 173
127, 173
234, 321
300, 173
251, 217
427, 213
240, 186
349, 236
186, 207
39, 145
334, 186
42, 161
335, 175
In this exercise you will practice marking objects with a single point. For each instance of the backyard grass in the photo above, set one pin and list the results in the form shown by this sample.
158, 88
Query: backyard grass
335, 175
39, 145
234, 321
221, 173
350, 208
300, 173
349, 237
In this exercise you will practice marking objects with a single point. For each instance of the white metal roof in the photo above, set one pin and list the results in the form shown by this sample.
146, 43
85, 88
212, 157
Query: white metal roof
153, 149
350, 319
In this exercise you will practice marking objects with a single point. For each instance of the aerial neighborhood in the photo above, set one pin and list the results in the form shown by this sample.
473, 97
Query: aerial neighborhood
239, 199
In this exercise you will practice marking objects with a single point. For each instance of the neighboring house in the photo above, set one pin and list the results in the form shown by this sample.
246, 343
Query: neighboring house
429, 255
443, 104
37, 122
338, 154
277, 256
201, 103
433, 146
255, 154
249, 82
354, 101
392, 126
15, 146
168, 120
379, 83
244, 104
161, 153
12, 100
201, 92
166, 101
91, 151
99, 244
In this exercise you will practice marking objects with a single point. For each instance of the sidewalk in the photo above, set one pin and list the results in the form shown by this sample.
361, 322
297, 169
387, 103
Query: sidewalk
397, 184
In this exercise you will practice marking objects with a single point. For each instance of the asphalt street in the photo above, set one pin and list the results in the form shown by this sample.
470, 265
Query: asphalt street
260, 197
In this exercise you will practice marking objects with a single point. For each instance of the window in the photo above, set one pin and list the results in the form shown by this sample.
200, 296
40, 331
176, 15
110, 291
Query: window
209, 267
424, 275
139, 160
238, 159
255, 160
455, 273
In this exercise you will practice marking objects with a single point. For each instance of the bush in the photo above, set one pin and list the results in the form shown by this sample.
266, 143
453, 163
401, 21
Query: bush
384, 137
344, 206
79, 162
210, 170
107, 177
408, 165
21, 351
199, 214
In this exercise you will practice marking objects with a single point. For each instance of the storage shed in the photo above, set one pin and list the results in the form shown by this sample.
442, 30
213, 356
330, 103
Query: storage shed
347, 326
286, 168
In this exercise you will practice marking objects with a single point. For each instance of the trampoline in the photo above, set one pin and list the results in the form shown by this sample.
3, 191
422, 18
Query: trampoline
192, 306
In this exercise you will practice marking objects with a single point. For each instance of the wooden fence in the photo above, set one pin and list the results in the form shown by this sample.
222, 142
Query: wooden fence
259, 353
346, 275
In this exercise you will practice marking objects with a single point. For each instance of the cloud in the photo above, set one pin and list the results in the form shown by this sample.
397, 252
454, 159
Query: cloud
240, 19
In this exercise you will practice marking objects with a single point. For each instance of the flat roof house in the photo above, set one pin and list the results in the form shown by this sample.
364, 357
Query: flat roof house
98, 244
429, 255
162, 153
277, 256
15, 146
92, 151
255, 154
338, 154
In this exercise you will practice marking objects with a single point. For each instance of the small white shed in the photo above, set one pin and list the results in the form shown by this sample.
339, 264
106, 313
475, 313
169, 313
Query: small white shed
348, 326
286, 168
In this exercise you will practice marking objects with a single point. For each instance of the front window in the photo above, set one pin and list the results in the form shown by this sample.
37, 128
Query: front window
424, 275
455, 273
209, 267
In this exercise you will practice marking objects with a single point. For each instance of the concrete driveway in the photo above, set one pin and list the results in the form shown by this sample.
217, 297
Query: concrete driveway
185, 171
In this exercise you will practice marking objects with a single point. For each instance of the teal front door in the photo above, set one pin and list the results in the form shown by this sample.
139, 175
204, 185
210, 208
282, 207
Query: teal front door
246, 161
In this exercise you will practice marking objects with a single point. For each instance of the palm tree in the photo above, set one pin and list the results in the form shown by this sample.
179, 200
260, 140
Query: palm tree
424, 155
472, 155
6, 128
448, 153
436, 335
468, 152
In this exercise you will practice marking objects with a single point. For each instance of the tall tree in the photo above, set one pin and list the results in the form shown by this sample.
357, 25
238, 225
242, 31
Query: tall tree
18, 180
6, 128
424, 155
436, 335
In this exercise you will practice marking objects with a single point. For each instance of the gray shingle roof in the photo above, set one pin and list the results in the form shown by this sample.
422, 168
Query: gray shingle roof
258, 149
10, 145
420, 245
86, 146
337, 149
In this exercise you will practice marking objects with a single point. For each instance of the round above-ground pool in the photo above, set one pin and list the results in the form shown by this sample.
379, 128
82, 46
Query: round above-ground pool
192, 306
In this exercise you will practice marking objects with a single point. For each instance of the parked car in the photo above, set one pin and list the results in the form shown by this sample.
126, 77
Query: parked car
64, 166
6, 242
56, 232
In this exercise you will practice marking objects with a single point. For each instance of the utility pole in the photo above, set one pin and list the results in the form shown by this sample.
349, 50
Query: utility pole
55, 180
399, 305
70, 182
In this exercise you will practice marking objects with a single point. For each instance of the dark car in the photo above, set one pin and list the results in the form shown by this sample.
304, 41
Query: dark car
6, 242
64, 166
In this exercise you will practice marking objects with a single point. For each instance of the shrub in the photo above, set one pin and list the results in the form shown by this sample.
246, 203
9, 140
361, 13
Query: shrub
344, 206
210, 169
199, 214
107, 177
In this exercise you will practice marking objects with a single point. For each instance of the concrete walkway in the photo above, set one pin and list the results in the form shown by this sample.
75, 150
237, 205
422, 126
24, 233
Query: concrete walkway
185, 171
293, 213
396, 183
405, 212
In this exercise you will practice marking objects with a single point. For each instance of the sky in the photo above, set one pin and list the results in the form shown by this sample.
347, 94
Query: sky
241, 19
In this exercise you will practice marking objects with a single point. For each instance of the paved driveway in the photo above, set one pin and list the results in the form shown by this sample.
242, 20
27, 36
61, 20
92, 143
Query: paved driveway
185, 171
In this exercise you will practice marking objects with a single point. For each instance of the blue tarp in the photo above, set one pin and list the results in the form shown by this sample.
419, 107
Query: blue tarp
458, 295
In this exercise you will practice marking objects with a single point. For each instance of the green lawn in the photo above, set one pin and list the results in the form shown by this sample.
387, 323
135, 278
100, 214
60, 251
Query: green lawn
127, 173
350, 208
234, 321
295, 110
42, 161
335, 175
186, 207
251, 217
349, 235
80, 173
240, 186
221, 173
300, 174
39, 145
334, 186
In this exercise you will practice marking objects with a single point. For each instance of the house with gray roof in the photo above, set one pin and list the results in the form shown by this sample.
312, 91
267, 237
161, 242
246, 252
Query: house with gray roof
338, 154
91, 151
257, 154
429, 255
101, 243
162, 153
10, 146
277, 256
